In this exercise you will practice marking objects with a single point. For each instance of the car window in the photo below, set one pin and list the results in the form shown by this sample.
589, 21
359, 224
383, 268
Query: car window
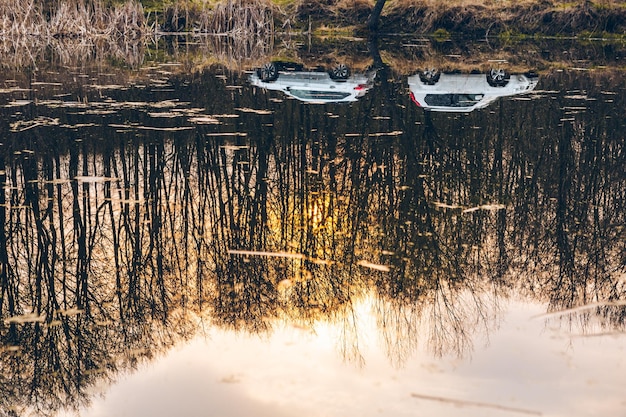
452, 100
318, 95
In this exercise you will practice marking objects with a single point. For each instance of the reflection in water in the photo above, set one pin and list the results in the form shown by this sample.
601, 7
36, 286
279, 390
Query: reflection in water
70, 33
119, 240
337, 85
432, 90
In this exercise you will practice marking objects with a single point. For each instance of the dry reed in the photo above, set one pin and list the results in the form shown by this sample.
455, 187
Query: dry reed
238, 18
235, 33
237, 52
74, 30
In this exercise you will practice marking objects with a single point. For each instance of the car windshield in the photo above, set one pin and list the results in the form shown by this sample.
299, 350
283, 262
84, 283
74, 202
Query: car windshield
452, 100
318, 95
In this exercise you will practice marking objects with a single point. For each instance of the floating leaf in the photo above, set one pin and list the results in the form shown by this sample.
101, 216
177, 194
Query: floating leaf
377, 267
85, 178
165, 114
270, 254
98, 112
227, 134
108, 87
445, 206
14, 90
26, 318
234, 147
256, 111
79, 126
204, 120
71, 312
489, 207
23, 125
394, 133
168, 104
161, 129
19, 103
225, 116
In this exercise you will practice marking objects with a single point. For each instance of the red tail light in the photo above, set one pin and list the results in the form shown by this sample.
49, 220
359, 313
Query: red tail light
360, 87
413, 100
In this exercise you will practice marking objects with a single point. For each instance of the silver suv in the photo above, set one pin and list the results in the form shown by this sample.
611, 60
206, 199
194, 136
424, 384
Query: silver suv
319, 86
463, 93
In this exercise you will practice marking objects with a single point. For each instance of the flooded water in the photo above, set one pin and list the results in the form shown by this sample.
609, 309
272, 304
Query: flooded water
313, 239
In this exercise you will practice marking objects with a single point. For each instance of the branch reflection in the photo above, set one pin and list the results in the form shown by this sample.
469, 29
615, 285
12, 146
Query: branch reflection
113, 251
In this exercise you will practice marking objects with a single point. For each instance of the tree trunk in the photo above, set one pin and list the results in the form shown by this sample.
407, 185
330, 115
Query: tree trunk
372, 22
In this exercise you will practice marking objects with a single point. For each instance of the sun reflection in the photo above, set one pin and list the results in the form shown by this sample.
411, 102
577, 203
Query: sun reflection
407, 244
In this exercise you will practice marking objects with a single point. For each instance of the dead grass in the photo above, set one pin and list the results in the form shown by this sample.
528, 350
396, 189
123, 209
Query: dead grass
245, 29
73, 30
237, 54
71, 18
239, 18
474, 18
226, 17
498, 4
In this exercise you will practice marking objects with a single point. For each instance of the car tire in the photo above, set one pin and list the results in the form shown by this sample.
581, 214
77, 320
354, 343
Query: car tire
497, 77
268, 72
340, 72
430, 76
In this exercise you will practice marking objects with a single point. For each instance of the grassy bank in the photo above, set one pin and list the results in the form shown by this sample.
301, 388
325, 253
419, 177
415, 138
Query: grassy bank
524, 17
70, 30
71, 19
471, 18
76, 30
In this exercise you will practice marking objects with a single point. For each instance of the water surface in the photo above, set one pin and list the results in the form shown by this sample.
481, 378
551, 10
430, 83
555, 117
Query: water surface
185, 242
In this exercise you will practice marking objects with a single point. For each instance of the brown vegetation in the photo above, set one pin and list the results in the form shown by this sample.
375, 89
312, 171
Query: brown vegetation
71, 19
473, 18
470, 18
239, 33
228, 17
73, 30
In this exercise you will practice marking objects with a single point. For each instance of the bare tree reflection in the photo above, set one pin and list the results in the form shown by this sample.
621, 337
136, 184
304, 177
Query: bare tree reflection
64, 331
112, 251
587, 206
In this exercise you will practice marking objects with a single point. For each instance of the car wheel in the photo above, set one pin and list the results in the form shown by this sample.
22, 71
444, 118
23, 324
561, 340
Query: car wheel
498, 77
430, 76
340, 72
268, 72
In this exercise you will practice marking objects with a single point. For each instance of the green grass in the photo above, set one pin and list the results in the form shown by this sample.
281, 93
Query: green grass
441, 35
285, 3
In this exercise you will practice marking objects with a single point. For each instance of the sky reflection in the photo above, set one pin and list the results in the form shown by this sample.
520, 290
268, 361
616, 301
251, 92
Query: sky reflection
129, 212
527, 367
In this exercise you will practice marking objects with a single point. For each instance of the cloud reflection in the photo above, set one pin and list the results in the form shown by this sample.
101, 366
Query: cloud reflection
148, 231
296, 372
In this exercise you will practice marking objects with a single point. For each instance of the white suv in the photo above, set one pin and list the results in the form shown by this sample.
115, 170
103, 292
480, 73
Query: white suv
334, 86
463, 93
